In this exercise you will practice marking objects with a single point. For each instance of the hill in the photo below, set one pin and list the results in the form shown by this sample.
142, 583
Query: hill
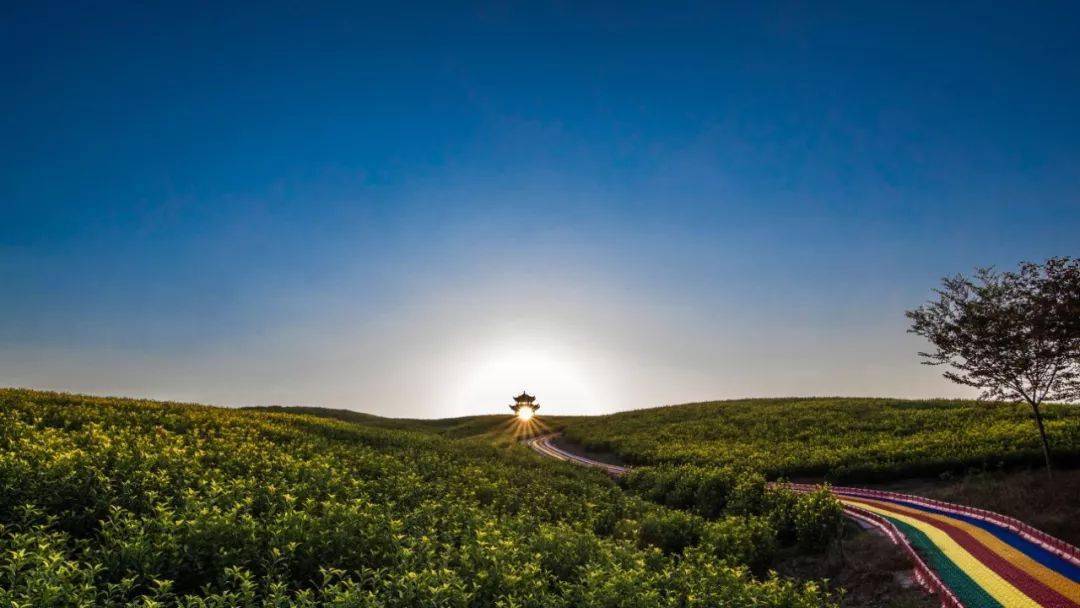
491, 426
370, 420
118, 502
842, 439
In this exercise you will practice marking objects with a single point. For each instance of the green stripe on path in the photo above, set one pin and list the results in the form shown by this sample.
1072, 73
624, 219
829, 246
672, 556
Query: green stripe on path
963, 586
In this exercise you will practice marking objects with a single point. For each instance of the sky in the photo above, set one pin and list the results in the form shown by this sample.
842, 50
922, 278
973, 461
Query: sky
422, 209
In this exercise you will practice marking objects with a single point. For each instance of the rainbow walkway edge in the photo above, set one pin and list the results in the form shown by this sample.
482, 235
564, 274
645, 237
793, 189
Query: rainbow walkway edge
971, 558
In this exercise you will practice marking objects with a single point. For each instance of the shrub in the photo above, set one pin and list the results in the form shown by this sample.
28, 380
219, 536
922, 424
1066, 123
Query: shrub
818, 519
671, 531
781, 510
742, 540
713, 491
748, 495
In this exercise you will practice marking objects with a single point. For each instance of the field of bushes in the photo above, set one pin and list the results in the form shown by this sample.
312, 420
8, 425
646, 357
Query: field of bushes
835, 438
116, 502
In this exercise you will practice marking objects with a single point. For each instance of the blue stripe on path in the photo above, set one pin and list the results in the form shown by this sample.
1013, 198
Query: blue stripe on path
1013, 539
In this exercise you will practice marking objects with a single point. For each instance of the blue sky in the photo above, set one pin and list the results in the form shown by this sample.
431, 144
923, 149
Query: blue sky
419, 210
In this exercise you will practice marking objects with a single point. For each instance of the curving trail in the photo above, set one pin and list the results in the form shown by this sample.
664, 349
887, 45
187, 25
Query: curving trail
968, 557
543, 445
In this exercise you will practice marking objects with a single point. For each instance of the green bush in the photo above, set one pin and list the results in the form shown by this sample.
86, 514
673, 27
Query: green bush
671, 531
748, 495
811, 520
742, 540
715, 488
707, 491
781, 511
758, 518
709, 584
818, 519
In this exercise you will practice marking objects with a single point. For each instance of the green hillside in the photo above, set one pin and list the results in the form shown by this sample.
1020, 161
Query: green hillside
838, 438
117, 502
369, 420
498, 427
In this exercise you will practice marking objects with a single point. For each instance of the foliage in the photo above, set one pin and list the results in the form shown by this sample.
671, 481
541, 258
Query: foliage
463, 427
1013, 335
113, 502
708, 491
756, 518
842, 439
742, 540
670, 530
811, 520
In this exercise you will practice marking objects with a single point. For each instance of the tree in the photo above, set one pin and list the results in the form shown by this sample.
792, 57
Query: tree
1015, 336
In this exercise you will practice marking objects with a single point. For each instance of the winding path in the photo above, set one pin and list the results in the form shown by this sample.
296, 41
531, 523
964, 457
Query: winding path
544, 445
969, 558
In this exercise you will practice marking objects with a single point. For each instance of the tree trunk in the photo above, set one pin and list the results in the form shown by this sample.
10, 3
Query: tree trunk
1042, 435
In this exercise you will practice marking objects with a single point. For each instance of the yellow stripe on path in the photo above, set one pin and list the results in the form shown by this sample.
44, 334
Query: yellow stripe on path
1052, 579
1000, 589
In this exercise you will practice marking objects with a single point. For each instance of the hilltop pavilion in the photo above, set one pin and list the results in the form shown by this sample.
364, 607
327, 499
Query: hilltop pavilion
525, 401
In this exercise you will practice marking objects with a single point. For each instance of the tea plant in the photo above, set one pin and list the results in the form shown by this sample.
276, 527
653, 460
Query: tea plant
839, 439
115, 502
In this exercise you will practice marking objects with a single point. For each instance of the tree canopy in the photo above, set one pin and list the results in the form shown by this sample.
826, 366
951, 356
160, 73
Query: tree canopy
1013, 335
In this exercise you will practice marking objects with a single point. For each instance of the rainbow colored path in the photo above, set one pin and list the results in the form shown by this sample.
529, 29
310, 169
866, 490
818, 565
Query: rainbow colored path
968, 557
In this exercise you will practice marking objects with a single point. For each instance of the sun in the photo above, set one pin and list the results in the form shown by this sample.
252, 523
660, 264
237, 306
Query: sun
525, 423
565, 374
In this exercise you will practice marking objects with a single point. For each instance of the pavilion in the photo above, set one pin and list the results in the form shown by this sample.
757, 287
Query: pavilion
525, 402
